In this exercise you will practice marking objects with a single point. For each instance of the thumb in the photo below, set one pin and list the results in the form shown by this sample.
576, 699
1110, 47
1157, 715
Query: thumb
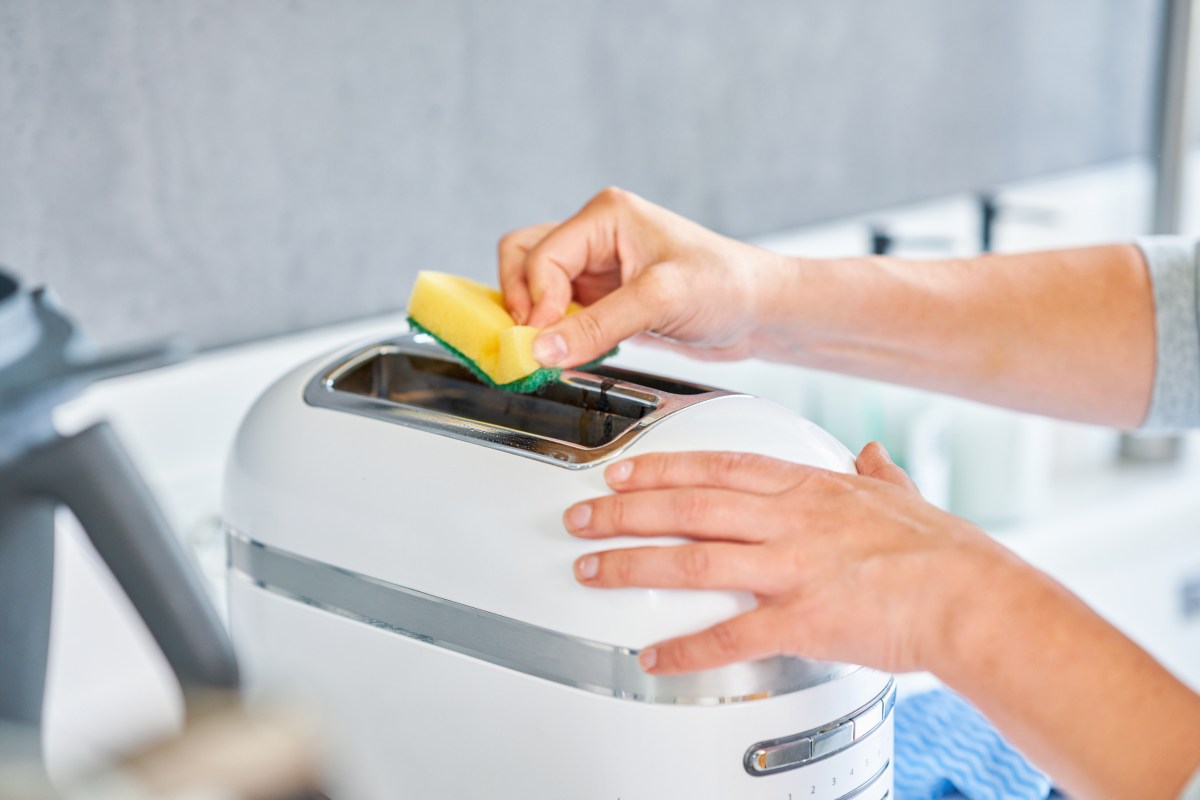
594, 330
874, 462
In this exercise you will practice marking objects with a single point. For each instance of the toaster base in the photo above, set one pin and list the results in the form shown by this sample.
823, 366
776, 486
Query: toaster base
409, 719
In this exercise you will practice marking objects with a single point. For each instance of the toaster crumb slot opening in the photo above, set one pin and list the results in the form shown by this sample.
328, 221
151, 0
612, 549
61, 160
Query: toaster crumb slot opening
584, 413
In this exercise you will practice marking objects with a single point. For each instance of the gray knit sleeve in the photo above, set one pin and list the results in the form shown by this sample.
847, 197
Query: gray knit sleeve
1175, 402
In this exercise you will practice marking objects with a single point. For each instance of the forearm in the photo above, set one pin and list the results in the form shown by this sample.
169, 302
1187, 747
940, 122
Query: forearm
1086, 704
1068, 333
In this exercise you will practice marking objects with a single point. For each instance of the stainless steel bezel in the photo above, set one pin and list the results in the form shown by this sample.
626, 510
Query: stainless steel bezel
321, 392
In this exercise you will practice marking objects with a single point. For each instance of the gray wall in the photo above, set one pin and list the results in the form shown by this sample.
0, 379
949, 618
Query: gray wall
230, 170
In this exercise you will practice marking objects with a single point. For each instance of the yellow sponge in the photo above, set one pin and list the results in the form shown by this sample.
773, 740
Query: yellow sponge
470, 320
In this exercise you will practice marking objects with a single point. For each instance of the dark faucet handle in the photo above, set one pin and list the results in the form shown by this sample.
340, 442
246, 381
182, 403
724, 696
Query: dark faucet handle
991, 209
883, 242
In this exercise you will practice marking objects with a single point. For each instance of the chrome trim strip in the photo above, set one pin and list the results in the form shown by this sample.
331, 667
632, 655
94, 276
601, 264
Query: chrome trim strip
320, 392
886, 699
596, 667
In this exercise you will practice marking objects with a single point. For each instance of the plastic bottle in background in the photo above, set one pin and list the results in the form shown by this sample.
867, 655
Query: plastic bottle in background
1002, 464
913, 425
927, 450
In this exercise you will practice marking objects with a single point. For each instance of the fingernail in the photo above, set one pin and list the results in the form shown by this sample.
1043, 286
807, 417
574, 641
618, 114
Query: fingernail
578, 517
549, 349
619, 472
648, 658
587, 567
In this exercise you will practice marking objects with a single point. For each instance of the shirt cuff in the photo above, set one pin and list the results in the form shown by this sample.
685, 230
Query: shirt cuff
1175, 402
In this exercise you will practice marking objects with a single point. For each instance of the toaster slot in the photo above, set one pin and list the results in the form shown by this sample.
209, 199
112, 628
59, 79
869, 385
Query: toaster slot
582, 412
578, 421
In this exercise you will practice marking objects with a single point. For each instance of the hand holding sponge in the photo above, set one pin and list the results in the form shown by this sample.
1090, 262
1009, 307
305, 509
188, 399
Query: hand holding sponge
469, 320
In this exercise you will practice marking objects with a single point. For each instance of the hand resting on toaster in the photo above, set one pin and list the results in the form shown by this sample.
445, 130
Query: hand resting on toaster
823, 553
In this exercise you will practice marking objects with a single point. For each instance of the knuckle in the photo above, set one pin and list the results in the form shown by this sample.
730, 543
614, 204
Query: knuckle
506, 242
537, 263
691, 507
725, 464
693, 563
726, 641
515, 244
801, 572
611, 196
589, 328
652, 468
610, 513
620, 568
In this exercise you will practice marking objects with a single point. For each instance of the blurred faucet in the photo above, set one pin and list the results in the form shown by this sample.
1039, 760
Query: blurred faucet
1173, 114
883, 242
45, 360
1171, 137
990, 211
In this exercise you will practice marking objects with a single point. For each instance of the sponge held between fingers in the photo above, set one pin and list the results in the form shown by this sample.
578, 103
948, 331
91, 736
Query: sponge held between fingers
469, 319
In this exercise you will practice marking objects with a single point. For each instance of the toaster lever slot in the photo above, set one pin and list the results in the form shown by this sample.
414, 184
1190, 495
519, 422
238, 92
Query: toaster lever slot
576, 421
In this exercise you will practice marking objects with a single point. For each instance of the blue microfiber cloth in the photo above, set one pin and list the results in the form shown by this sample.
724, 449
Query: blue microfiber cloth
945, 748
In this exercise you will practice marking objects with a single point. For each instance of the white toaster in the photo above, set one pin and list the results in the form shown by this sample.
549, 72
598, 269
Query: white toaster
397, 559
